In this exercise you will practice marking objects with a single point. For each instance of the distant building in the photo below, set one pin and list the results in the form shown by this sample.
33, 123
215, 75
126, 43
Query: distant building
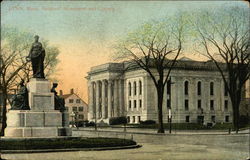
74, 104
196, 93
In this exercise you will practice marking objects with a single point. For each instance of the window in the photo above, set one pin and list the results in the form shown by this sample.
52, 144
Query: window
80, 109
199, 104
140, 87
200, 119
168, 104
225, 90
212, 88
74, 109
140, 103
211, 105
186, 87
129, 104
133, 119
169, 87
134, 88
78, 101
227, 119
187, 118
81, 116
213, 119
134, 103
199, 88
186, 104
128, 119
71, 100
139, 119
226, 105
129, 88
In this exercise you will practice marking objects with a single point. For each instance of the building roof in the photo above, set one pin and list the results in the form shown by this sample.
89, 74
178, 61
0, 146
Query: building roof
185, 59
183, 63
65, 96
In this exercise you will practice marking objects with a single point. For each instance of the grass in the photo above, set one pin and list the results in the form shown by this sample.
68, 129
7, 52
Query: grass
62, 143
185, 126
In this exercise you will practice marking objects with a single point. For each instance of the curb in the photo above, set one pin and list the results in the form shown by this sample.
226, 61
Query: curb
69, 149
162, 134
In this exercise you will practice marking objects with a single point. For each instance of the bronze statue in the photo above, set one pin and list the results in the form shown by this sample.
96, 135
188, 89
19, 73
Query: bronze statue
20, 100
36, 56
59, 101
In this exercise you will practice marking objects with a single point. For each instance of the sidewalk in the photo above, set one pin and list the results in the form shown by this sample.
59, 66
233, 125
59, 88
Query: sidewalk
154, 131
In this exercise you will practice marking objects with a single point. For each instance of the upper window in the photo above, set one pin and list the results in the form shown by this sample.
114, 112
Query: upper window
134, 88
199, 88
212, 88
71, 100
78, 101
186, 87
140, 87
129, 89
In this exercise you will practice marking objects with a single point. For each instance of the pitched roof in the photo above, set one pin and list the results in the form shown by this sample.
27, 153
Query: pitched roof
65, 96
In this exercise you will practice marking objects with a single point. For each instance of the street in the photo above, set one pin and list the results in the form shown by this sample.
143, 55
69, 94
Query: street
159, 147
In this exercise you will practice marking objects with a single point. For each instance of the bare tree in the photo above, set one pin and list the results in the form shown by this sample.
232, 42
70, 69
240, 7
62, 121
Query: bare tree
225, 41
15, 46
155, 47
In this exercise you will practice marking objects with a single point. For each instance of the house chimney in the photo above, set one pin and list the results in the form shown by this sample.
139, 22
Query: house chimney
71, 91
60, 92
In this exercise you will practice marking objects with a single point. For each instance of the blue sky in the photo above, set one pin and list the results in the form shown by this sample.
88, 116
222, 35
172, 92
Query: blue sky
99, 21
84, 31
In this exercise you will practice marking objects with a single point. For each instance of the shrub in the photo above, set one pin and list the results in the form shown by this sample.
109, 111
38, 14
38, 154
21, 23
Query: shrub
147, 122
89, 124
117, 120
244, 121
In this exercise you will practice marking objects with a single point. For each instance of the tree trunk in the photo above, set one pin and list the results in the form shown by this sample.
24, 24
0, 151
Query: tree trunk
236, 105
4, 110
159, 106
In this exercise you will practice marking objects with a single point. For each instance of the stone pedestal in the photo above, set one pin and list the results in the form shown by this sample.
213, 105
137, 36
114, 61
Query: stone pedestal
42, 120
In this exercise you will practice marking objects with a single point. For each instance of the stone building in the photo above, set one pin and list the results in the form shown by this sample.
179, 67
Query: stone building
196, 93
74, 104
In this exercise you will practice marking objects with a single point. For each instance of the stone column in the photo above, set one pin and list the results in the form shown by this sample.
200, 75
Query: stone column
97, 100
116, 100
103, 100
121, 98
91, 100
109, 98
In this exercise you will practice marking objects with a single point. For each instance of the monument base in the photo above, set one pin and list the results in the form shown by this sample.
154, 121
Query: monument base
28, 123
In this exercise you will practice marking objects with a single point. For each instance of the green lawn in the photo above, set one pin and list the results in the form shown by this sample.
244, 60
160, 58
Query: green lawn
62, 143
